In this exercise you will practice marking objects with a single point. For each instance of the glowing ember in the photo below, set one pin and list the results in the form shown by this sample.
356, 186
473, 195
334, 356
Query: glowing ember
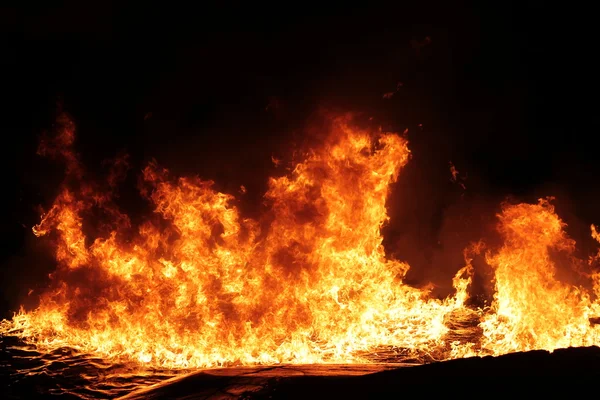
199, 285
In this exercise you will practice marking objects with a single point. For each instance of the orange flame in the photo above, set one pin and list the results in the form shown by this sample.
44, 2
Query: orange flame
532, 309
199, 285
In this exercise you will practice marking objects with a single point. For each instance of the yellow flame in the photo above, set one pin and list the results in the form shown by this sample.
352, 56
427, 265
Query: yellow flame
532, 309
199, 285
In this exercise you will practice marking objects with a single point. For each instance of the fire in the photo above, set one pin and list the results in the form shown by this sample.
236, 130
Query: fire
532, 309
199, 285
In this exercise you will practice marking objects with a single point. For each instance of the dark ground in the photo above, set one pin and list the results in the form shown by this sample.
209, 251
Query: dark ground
568, 372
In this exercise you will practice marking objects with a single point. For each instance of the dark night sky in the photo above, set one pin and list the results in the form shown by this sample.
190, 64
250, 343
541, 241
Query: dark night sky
505, 91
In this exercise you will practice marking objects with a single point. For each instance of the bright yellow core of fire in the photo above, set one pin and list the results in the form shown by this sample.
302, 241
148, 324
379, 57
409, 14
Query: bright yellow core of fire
199, 285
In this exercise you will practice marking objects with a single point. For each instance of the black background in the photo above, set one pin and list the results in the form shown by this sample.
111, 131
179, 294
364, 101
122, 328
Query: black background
506, 91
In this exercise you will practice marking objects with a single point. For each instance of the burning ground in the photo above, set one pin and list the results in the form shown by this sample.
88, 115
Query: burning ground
197, 284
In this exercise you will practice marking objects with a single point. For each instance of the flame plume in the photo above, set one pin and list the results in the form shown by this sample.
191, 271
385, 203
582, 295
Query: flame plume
199, 285
532, 309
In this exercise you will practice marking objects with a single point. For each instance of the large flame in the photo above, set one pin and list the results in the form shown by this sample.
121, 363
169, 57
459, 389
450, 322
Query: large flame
199, 285
532, 309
